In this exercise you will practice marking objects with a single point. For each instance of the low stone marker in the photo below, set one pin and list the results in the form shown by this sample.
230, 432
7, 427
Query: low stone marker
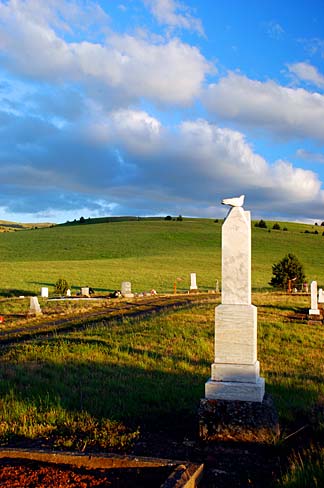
193, 281
234, 405
126, 289
44, 292
314, 305
34, 308
320, 296
68, 292
85, 291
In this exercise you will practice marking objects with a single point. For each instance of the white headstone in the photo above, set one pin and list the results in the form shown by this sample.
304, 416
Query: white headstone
68, 292
34, 307
126, 289
193, 281
44, 292
85, 291
235, 371
314, 305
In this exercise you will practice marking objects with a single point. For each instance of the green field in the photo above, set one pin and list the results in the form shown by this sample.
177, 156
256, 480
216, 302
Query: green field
150, 254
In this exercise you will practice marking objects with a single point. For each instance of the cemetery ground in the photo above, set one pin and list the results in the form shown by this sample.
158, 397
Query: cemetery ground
131, 385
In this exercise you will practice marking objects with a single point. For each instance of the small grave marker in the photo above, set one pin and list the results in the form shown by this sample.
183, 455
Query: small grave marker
34, 308
314, 306
44, 292
193, 281
85, 291
126, 289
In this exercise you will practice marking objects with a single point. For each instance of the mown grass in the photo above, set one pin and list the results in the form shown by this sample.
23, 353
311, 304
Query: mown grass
150, 254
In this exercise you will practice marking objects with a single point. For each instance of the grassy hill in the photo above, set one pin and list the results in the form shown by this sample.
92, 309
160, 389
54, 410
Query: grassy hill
7, 226
149, 253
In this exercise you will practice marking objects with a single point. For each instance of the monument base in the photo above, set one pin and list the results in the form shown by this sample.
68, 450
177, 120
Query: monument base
223, 420
128, 295
234, 390
314, 311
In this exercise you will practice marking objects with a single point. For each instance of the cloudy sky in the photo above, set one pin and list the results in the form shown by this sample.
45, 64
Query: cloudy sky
155, 107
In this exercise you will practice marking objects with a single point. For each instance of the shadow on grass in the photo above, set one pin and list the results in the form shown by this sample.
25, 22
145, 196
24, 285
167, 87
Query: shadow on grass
15, 292
134, 351
132, 394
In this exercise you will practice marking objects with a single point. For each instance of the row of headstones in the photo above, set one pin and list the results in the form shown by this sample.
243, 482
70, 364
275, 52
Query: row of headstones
126, 288
126, 291
316, 298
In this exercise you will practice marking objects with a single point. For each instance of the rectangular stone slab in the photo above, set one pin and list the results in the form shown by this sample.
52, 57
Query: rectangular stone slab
227, 390
236, 372
236, 334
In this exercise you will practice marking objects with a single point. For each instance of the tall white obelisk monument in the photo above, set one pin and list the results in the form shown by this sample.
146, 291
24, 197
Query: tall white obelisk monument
235, 373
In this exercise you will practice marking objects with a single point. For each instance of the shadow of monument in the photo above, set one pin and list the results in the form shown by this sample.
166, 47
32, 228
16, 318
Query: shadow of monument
15, 292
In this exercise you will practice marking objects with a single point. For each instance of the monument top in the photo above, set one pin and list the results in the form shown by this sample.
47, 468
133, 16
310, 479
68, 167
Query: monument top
234, 202
236, 258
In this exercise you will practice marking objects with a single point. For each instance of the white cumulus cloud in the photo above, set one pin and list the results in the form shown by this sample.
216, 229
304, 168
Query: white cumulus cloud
307, 72
126, 67
174, 14
285, 112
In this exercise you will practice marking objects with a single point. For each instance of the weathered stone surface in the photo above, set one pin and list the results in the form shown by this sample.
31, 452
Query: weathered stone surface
239, 421
236, 334
236, 257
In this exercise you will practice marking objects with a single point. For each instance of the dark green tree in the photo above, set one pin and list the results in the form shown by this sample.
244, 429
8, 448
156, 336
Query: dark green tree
262, 224
289, 268
61, 286
276, 226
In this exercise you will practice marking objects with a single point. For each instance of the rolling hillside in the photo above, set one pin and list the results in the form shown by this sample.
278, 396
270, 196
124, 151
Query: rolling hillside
7, 226
149, 253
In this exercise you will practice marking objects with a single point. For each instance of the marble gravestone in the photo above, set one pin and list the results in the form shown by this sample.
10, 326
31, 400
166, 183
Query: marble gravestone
34, 308
126, 289
314, 305
44, 292
85, 291
193, 281
235, 371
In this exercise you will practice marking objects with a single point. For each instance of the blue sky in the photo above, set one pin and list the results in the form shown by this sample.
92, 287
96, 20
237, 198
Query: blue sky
155, 107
